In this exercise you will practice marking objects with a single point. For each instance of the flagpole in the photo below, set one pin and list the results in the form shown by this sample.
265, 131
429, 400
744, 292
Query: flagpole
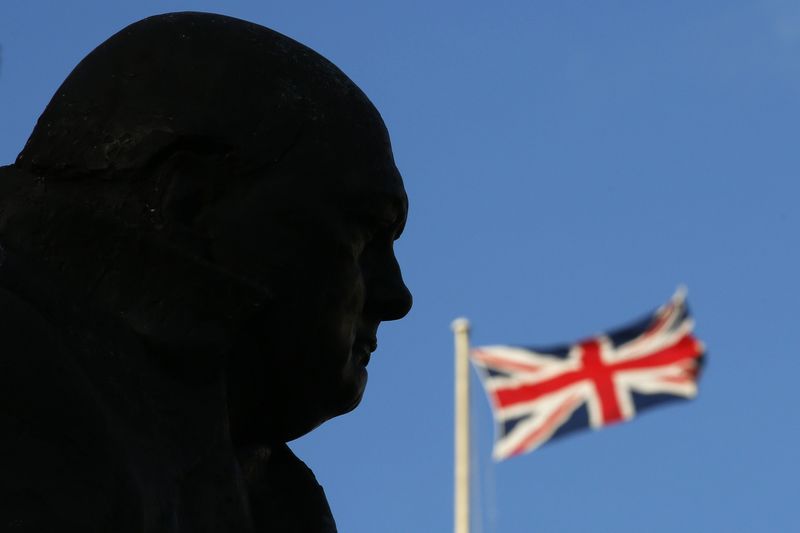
460, 328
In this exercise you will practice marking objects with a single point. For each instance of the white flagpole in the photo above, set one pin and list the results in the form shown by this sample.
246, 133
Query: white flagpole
460, 328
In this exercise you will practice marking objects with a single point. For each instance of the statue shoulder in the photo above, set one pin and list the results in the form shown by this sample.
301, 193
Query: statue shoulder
57, 459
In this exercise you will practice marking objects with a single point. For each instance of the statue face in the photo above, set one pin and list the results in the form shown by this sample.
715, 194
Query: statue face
319, 234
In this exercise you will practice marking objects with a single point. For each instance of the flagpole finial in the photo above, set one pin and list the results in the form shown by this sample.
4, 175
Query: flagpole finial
460, 325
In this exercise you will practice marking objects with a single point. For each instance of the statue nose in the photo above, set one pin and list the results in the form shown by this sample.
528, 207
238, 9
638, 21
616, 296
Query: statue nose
388, 297
398, 302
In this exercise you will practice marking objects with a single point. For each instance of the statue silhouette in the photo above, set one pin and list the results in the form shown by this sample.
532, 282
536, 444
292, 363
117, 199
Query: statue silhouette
197, 252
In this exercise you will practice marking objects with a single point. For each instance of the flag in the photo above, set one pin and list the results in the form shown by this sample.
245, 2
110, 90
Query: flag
537, 395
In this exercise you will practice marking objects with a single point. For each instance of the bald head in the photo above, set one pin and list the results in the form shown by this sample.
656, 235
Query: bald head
195, 81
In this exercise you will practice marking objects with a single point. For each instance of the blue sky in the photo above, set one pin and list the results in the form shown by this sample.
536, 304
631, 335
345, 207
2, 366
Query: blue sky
568, 165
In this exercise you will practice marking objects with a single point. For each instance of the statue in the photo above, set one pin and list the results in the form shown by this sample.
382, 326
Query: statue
196, 255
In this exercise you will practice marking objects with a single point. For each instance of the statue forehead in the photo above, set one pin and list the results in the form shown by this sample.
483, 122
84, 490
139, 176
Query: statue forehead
349, 184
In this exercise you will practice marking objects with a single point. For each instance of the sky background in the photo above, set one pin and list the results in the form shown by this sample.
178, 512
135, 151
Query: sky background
568, 164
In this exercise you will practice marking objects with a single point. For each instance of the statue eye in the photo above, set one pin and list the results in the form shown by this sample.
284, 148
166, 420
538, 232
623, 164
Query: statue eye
374, 231
379, 224
374, 227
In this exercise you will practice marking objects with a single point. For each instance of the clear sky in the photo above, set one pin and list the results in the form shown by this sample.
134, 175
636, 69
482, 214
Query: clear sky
568, 165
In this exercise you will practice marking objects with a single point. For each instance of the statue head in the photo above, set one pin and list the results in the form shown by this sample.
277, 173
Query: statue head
224, 191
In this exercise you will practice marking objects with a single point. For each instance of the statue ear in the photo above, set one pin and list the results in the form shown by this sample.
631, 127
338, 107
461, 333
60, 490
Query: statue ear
189, 183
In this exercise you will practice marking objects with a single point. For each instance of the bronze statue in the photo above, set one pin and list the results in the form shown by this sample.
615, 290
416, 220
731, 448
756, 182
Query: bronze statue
196, 255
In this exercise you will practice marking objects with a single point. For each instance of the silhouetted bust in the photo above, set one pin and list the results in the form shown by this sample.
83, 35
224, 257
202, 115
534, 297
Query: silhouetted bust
197, 251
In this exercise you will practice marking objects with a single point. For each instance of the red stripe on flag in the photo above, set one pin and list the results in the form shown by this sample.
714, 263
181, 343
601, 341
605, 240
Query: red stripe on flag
686, 348
601, 376
529, 392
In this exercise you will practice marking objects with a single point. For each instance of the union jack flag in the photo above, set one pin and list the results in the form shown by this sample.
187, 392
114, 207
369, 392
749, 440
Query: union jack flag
537, 395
